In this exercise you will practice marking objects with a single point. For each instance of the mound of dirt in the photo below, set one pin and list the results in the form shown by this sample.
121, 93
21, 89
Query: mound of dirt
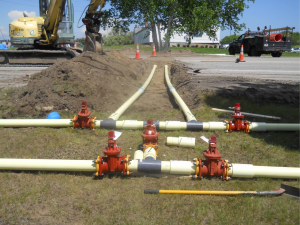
190, 86
104, 81
182, 81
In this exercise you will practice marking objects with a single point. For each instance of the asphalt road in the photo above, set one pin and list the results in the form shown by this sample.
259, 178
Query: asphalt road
18, 72
16, 76
283, 68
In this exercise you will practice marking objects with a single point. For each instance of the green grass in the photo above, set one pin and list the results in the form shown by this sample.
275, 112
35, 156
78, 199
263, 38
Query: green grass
291, 54
63, 198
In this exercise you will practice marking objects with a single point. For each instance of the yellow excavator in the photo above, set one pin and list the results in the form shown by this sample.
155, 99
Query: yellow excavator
37, 37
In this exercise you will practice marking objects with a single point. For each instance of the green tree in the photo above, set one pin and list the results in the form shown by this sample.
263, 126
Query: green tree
188, 16
296, 38
116, 37
229, 39
80, 40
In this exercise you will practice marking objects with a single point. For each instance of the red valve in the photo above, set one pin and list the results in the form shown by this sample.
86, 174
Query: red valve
237, 123
150, 136
112, 162
82, 120
213, 165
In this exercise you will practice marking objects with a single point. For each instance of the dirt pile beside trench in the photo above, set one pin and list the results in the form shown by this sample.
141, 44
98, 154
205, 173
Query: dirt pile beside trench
182, 81
190, 87
104, 81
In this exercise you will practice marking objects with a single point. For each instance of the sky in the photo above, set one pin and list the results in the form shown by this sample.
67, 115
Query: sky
261, 13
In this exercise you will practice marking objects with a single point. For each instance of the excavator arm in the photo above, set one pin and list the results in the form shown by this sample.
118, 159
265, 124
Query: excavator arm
93, 39
54, 17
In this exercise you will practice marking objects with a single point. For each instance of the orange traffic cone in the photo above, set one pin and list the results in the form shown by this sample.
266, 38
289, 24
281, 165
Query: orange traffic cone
242, 54
137, 55
153, 52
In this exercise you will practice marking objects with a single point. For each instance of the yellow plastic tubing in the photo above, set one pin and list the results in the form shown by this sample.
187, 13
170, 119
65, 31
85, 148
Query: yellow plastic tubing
250, 171
48, 165
188, 114
254, 126
133, 98
207, 192
35, 122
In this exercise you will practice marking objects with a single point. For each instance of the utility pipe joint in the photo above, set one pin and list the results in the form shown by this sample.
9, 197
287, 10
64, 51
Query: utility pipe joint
150, 136
213, 165
82, 120
237, 123
112, 162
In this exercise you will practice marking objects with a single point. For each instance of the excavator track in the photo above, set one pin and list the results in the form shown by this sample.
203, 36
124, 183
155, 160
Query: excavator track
34, 57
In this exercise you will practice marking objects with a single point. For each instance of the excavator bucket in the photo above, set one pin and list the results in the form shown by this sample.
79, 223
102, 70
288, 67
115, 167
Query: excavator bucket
93, 42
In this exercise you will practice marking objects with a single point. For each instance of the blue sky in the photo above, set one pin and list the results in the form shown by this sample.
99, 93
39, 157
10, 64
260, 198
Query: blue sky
263, 12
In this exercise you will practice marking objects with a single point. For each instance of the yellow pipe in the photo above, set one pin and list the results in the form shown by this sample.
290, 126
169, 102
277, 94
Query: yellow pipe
277, 192
48, 165
263, 127
133, 98
188, 114
206, 192
36, 123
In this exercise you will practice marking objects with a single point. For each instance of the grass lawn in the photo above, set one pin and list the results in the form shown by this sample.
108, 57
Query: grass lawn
63, 198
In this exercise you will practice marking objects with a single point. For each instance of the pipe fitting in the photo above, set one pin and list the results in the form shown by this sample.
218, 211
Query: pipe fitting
237, 123
150, 136
213, 165
82, 120
112, 162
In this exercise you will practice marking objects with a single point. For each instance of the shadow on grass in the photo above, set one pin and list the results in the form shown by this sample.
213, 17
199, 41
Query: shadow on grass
289, 113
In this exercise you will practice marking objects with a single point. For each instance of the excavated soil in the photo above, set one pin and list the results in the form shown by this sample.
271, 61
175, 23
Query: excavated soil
107, 81
104, 81
190, 85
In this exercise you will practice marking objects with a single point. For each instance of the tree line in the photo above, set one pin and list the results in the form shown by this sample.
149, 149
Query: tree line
186, 16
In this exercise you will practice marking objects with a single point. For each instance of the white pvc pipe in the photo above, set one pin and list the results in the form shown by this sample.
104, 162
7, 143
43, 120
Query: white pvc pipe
250, 171
274, 126
134, 124
48, 165
182, 167
150, 152
36, 123
116, 115
172, 125
181, 141
138, 154
211, 126
172, 167
188, 114
129, 124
